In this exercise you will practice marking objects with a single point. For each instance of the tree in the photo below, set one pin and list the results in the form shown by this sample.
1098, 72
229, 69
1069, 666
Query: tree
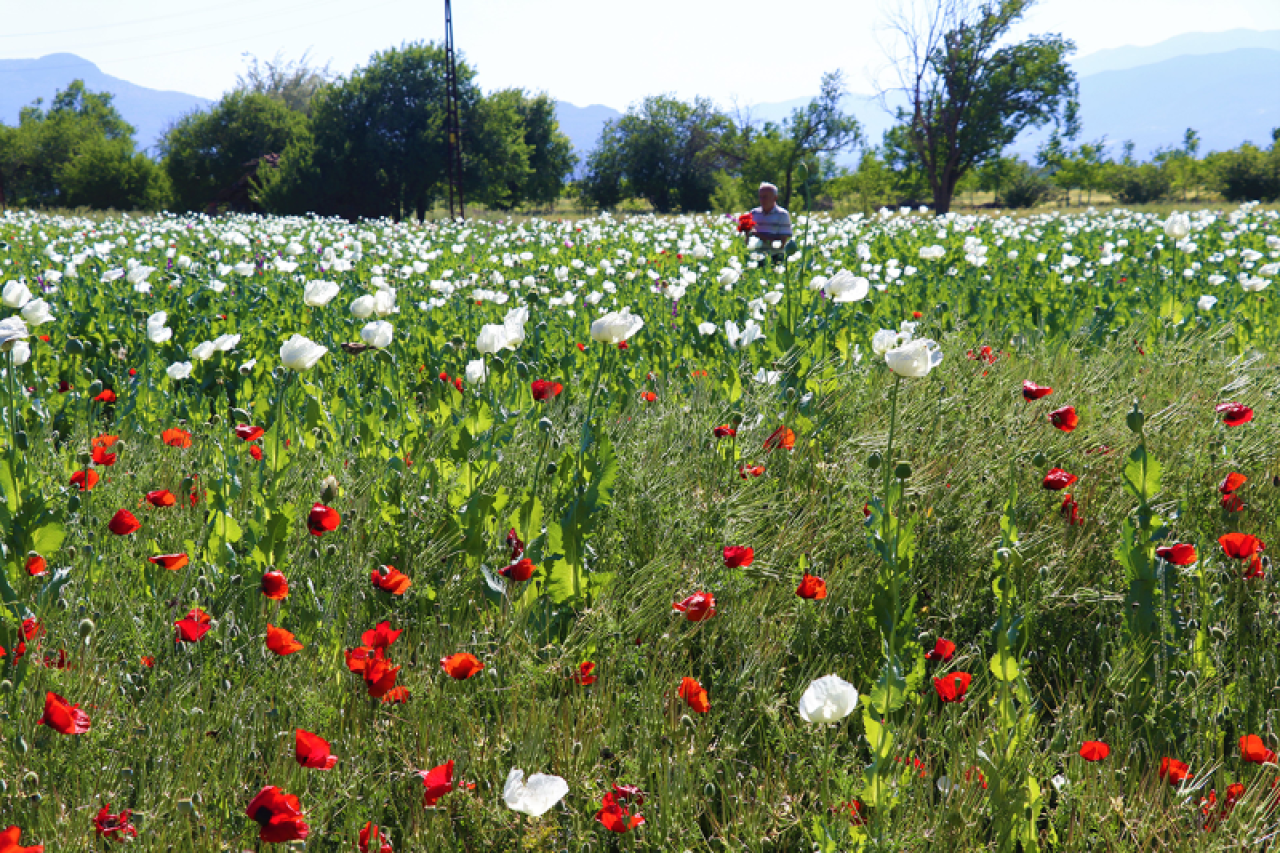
292, 84
664, 151
206, 151
78, 152
549, 153
968, 93
378, 147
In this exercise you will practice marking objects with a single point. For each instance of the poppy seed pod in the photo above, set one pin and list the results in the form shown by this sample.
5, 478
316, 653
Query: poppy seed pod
86, 628
74, 347
1135, 419
95, 388
902, 471
545, 425
873, 461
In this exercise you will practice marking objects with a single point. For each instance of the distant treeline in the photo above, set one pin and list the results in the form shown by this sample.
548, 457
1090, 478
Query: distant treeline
291, 138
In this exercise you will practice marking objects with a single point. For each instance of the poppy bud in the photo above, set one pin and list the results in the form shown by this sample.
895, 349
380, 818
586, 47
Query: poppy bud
873, 461
522, 370
330, 550
1135, 419
73, 502
551, 468
96, 388
1039, 459
20, 439
791, 393
902, 471
84, 458
71, 552
545, 425
187, 484
74, 347
86, 628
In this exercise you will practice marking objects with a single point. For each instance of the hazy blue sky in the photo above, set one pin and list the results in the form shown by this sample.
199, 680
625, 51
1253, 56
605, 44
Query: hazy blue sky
582, 51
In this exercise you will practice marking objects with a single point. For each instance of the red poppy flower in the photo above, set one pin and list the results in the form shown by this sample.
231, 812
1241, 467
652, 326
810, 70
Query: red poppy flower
724, 431
1064, 419
389, 579
695, 695
1232, 482
148, 661
372, 830
1032, 391
380, 675
746, 224
628, 794
9, 842
520, 571
107, 396
312, 751
1057, 479
358, 658
275, 586
248, 432
85, 480
114, 827
1094, 750
736, 556
697, 607
175, 437
916, 315
581, 347
256, 452
123, 523
398, 695
381, 636
623, 345
782, 437
1232, 503
544, 390
36, 565
172, 562
1240, 546
193, 626
1070, 510
1253, 750
1179, 555
282, 642
857, 812
102, 457
583, 676
461, 666
161, 497
752, 470
514, 543
438, 781
648, 396
985, 353
279, 815
63, 717
1234, 414
952, 686
1173, 770
942, 650
613, 817
322, 519
812, 588
64, 386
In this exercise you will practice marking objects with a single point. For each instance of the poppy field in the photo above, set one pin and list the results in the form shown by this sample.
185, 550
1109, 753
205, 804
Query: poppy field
617, 534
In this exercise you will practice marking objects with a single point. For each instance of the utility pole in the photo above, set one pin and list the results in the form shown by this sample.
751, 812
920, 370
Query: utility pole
453, 124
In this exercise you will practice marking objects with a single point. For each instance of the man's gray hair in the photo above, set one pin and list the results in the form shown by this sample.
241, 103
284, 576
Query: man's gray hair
765, 185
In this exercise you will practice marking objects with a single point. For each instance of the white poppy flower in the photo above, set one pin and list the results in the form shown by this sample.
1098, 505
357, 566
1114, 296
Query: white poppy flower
914, 359
318, 294
377, 334
15, 294
828, 700
178, 370
615, 327
535, 797
301, 353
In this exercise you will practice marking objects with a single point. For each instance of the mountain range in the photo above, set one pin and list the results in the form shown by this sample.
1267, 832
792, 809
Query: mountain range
1226, 85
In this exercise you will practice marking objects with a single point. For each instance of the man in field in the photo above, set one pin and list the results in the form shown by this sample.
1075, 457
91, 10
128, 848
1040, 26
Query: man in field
773, 223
